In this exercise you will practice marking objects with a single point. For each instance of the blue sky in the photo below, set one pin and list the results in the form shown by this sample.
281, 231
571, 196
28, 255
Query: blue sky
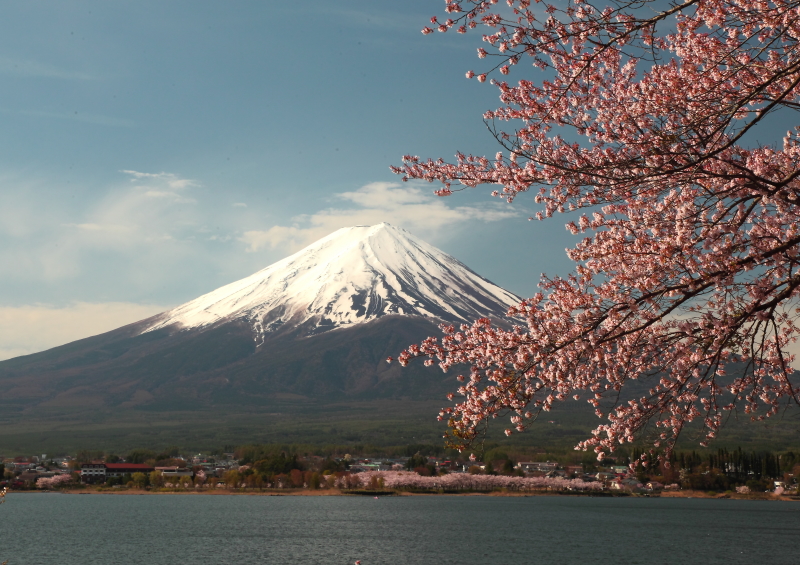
153, 151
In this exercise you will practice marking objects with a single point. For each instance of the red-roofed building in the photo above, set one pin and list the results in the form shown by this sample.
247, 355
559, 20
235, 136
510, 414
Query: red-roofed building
99, 472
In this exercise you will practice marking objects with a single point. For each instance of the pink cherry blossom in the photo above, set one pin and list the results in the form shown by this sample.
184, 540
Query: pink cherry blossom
465, 481
53, 482
691, 232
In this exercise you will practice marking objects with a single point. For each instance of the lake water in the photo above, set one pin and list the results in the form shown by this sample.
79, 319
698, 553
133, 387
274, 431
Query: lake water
43, 529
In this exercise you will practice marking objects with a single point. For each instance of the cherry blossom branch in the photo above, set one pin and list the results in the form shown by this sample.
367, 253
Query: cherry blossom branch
693, 240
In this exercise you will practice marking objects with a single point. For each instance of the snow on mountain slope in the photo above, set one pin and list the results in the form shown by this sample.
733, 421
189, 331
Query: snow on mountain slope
352, 276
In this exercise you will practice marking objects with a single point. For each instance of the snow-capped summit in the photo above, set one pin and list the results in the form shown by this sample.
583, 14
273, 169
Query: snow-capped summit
352, 276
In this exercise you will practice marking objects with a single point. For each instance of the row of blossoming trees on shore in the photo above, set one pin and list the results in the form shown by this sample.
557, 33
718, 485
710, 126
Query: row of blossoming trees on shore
468, 482
404, 480
393, 480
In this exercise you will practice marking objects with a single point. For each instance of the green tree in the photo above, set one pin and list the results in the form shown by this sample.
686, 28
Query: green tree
140, 480
232, 478
157, 478
277, 464
332, 465
415, 461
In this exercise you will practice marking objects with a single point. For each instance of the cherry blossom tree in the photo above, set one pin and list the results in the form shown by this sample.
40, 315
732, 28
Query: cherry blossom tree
643, 120
53, 482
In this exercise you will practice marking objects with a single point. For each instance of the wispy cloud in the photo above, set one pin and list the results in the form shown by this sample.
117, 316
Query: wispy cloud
49, 243
172, 180
32, 328
97, 227
404, 205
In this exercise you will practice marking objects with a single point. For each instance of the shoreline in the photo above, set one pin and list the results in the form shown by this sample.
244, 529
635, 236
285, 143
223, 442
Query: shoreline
376, 494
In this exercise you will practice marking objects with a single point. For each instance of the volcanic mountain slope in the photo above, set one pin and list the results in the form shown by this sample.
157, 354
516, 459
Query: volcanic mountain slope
316, 325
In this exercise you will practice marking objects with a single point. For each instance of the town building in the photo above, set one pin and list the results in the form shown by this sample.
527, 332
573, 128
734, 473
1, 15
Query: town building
100, 472
175, 471
536, 466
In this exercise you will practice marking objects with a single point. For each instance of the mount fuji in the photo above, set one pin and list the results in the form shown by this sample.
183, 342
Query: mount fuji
353, 276
313, 329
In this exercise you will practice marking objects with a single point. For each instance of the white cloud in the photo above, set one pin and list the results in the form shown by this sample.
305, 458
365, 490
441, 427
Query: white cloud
155, 207
404, 205
97, 227
150, 221
32, 328
274, 237
169, 179
174, 196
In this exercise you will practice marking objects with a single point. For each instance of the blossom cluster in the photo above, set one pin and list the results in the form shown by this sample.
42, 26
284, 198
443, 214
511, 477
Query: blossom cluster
642, 126
53, 482
466, 481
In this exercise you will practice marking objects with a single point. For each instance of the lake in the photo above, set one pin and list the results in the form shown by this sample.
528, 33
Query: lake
43, 529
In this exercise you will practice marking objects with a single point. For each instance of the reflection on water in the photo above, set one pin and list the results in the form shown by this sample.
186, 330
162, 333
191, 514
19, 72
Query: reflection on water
43, 529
